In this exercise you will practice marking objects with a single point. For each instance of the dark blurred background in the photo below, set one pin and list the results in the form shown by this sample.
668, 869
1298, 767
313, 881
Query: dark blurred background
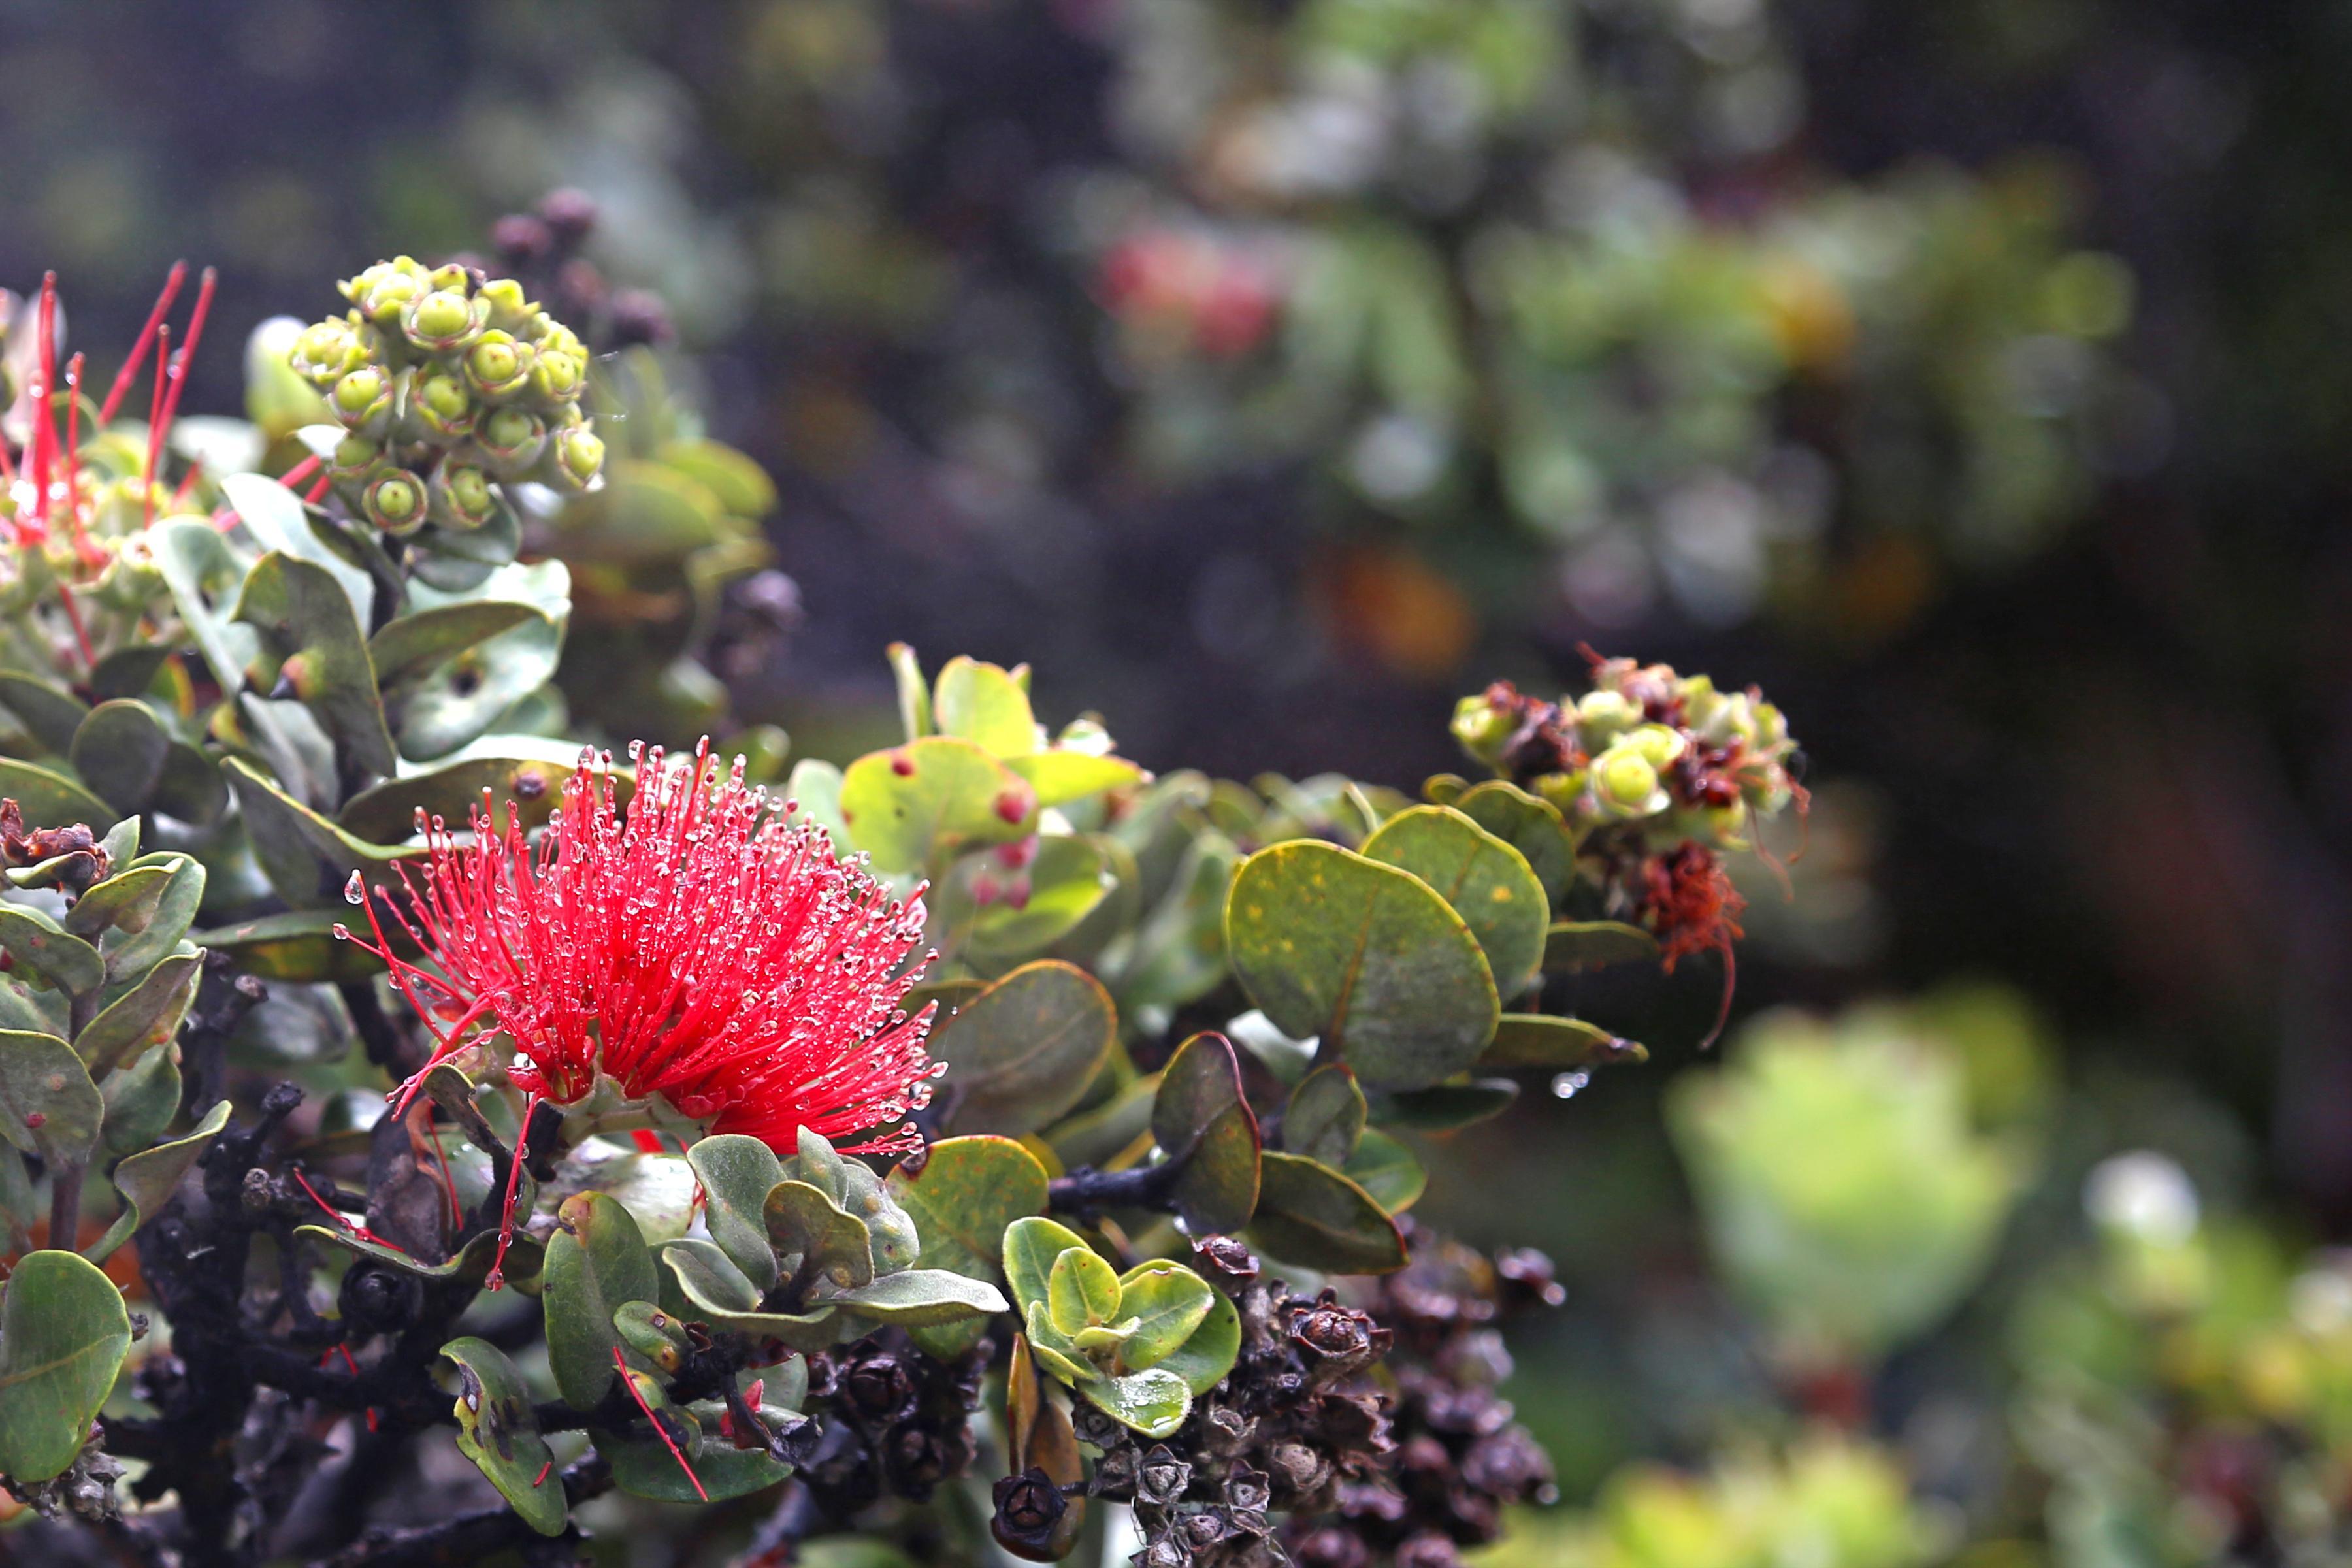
1972, 377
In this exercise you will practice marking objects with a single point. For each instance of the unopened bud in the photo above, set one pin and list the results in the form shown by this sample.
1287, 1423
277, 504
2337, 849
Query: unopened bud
499, 367
363, 401
460, 496
395, 503
325, 353
512, 441
575, 457
443, 406
1625, 784
444, 321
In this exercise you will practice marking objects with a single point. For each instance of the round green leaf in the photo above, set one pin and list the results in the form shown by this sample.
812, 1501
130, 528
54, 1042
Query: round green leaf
50, 799
37, 945
1325, 1115
921, 1298
63, 1335
1201, 1117
596, 1260
803, 1223
1529, 825
1590, 944
1311, 1215
918, 806
737, 1174
1202, 1360
497, 1431
50, 714
1166, 1302
525, 776
1022, 1053
1489, 883
48, 1106
1367, 957
1540, 1040
120, 751
1031, 1247
1081, 1292
983, 704
1153, 1403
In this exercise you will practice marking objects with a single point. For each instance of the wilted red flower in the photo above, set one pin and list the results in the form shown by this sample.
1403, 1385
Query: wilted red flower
700, 946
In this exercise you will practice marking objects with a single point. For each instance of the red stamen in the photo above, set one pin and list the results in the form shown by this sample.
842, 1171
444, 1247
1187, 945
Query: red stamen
541, 1479
498, 1278
73, 619
179, 365
332, 1213
129, 371
648, 1141
292, 477
187, 483
659, 1430
318, 488
155, 428
45, 376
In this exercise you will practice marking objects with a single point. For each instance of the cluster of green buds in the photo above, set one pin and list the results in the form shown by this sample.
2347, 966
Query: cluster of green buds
446, 384
1666, 754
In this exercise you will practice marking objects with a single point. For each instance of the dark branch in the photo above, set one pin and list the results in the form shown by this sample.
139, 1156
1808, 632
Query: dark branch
464, 1538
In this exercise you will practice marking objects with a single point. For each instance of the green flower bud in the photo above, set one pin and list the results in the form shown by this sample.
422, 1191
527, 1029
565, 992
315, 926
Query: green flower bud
509, 312
497, 367
1604, 716
325, 353
395, 501
1655, 743
574, 458
450, 276
553, 337
1564, 791
131, 581
354, 460
511, 440
461, 496
558, 376
443, 406
1624, 784
362, 400
1482, 728
385, 289
26, 579
444, 321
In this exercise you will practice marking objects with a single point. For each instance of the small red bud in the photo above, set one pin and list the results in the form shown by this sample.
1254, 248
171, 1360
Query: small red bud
37, 1118
1013, 804
902, 765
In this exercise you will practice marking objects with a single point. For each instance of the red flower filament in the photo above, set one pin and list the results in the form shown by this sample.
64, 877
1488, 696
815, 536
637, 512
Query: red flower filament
700, 946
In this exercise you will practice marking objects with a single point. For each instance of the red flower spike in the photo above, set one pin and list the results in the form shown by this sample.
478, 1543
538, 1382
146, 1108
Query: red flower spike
129, 371
699, 947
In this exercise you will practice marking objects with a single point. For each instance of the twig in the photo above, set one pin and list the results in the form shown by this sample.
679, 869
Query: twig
777, 1543
467, 1537
1087, 1190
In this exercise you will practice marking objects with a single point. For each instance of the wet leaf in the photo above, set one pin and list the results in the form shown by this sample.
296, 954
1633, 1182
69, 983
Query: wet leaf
146, 1016
1450, 1107
1022, 1053
525, 775
1081, 1292
308, 858
129, 952
1590, 944
806, 1224
277, 520
497, 1431
983, 704
139, 1103
1153, 1403
1539, 1040
444, 706
966, 1193
120, 751
148, 1179
1311, 1215
48, 1106
1166, 1302
1367, 957
1031, 1246
1062, 776
205, 574
48, 798
422, 640
1068, 879
1203, 1359
471, 1266
596, 1260
1528, 824
737, 1174
297, 946
1201, 1117
643, 1468
918, 806
63, 1335
921, 1298
1489, 883
1325, 1117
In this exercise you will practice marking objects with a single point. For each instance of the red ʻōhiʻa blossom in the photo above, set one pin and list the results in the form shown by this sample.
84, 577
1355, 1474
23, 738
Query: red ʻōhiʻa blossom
698, 946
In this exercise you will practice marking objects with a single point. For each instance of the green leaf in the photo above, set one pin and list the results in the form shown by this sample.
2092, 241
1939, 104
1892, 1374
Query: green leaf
50, 714
1023, 1052
1031, 1246
1081, 1292
742, 486
920, 804
961, 1195
1201, 1117
191, 787
148, 1016
1167, 1302
148, 1179
36, 945
1387, 1171
642, 1466
1061, 1360
300, 946
914, 691
63, 1336
983, 703
1325, 1116
119, 750
48, 1106
816, 788
1153, 1403
205, 574
497, 1431
806, 1224
1204, 1360
1368, 957
525, 1259
306, 858
50, 799
139, 1103
644, 514
1068, 879
444, 706
424, 638
129, 952
302, 609
524, 775
40, 1010
1311, 1215
1539, 1040
921, 1298
1062, 776
127, 900
277, 518
1450, 1107
1528, 824
737, 1174
716, 1294
129, 671
1489, 883
1590, 944
595, 1260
